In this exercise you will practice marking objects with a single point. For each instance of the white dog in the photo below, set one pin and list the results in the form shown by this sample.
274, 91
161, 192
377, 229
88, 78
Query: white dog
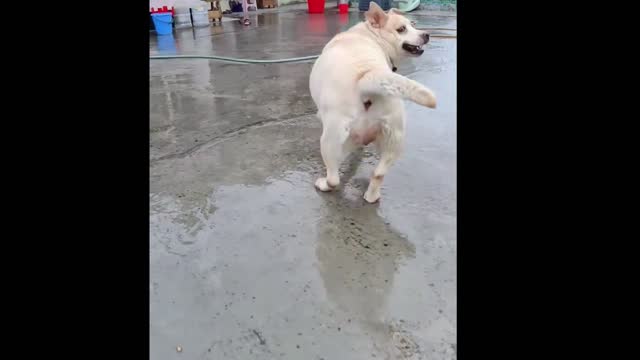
359, 96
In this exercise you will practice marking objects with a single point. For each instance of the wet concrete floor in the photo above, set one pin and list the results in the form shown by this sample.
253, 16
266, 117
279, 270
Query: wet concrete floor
248, 260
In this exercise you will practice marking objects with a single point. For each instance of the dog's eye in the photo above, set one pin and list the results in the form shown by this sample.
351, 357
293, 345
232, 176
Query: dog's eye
401, 29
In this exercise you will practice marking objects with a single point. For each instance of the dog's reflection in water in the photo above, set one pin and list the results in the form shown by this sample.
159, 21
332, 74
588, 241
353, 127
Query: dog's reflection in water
358, 255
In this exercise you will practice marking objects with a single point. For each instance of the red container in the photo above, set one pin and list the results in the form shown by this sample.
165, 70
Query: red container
164, 9
343, 8
315, 6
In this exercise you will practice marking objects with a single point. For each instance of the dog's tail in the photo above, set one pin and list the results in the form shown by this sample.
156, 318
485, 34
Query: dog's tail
392, 84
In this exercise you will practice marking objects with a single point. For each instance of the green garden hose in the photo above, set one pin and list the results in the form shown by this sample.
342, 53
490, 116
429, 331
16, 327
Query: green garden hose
235, 60
257, 61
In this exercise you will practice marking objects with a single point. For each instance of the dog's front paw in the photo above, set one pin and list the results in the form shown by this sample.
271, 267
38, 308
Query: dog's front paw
429, 99
323, 185
372, 197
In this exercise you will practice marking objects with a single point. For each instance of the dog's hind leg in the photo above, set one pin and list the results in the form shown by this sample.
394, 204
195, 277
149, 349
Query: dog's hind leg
390, 146
334, 147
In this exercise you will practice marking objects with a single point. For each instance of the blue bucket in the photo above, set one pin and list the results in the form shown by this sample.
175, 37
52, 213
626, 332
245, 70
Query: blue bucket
167, 44
162, 22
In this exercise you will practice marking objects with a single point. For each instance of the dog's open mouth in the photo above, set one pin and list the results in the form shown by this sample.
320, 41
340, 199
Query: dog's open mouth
413, 49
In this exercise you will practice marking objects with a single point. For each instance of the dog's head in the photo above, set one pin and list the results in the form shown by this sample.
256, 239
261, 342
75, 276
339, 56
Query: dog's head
396, 30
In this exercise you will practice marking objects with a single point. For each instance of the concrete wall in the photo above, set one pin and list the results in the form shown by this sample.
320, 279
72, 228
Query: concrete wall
285, 2
177, 3
195, 3
225, 3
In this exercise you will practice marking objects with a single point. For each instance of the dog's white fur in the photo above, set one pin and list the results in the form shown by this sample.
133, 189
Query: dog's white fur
359, 97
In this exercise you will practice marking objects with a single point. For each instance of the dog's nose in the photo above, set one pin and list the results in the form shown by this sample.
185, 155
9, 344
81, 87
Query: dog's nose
425, 36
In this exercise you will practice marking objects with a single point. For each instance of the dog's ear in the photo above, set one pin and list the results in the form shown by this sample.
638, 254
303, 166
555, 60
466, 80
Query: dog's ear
375, 15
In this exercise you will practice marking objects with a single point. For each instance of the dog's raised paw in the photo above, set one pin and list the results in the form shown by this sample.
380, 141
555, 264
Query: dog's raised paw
429, 99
